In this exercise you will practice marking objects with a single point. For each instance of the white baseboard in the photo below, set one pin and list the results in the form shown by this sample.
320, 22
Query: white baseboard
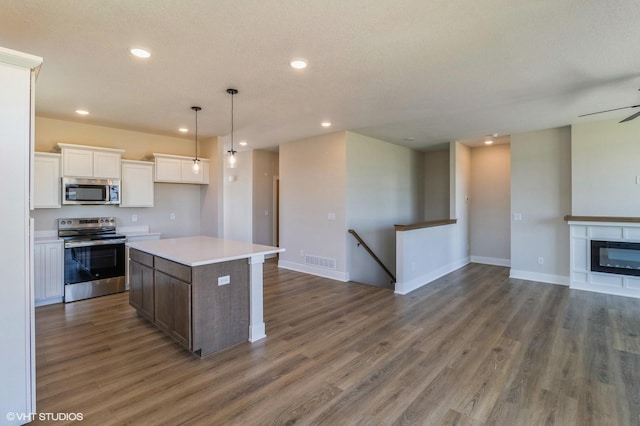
307, 269
491, 261
422, 280
607, 290
256, 332
539, 277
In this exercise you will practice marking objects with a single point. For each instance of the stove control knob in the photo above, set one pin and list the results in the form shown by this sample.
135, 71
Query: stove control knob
101, 221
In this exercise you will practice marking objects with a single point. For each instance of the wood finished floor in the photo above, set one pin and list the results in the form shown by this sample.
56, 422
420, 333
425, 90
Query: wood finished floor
472, 348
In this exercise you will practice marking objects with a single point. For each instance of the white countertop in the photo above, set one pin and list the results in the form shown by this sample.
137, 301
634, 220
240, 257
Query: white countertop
201, 250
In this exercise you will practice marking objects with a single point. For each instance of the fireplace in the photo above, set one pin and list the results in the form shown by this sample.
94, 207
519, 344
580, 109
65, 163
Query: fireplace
615, 257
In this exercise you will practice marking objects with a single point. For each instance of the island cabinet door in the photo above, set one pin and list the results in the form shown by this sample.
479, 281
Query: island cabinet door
141, 289
173, 307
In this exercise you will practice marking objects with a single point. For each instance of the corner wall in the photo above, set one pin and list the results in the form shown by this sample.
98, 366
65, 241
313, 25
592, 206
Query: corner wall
313, 205
385, 187
540, 198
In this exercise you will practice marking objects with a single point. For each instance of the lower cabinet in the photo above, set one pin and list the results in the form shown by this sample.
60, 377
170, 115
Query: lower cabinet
141, 288
173, 307
48, 271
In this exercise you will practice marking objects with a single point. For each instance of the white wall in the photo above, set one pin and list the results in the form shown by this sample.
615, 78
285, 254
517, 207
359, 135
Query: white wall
312, 186
490, 204
541, 193
436, 184
17, 353
384, 187
265, 168
426, 254
238, 192
604, 168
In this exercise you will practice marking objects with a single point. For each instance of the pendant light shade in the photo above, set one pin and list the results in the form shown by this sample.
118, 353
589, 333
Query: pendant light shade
196, 161
232, 153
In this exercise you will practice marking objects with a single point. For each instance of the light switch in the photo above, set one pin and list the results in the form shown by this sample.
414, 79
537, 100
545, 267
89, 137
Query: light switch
517, 217
331, 216
224, 280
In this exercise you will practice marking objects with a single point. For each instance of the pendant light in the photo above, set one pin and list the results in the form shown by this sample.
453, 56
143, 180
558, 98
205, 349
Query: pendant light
232, 153
196, 161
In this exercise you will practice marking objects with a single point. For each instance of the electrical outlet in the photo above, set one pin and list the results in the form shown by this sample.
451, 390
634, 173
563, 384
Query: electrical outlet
134, 218
172, 216
517, 217
541, 261
301, 253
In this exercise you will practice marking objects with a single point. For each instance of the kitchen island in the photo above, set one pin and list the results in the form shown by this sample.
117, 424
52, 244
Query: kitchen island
204, 292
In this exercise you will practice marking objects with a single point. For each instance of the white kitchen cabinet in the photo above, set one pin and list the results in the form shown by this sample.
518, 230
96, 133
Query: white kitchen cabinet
46, 180
136, 184
48, 272
179, 169
90, 162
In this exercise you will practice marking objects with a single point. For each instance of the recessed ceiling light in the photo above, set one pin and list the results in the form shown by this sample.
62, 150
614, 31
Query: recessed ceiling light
183, 129
409, 139
243, 143
488, 142
82, 112
298, 63
326, 124
140, 53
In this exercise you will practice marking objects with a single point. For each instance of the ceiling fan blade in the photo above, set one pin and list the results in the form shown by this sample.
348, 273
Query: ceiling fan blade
631, 117
609, 110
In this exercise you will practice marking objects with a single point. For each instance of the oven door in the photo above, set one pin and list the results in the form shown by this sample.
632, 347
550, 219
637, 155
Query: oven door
91, 261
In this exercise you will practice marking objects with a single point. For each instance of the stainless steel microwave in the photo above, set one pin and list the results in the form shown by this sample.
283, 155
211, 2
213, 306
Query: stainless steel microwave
90, 191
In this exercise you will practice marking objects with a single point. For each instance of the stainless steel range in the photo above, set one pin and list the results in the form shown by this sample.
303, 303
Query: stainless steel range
94, 263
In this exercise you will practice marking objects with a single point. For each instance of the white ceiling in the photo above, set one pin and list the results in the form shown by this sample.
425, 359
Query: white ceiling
432, 70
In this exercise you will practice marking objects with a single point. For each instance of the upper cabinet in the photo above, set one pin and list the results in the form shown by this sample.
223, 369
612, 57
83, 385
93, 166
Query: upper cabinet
90, 162
46, 180
179, 169
137, 184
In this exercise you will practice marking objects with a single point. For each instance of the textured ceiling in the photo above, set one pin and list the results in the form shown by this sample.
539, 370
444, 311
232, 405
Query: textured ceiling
431, 70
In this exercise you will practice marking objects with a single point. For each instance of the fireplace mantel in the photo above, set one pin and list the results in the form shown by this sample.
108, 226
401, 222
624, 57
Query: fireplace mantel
584, 229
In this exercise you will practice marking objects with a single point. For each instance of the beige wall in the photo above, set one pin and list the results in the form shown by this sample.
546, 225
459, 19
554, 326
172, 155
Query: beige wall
265, 168
605, 158
436, 184
541, 194
490, 204
385, 186
312, 185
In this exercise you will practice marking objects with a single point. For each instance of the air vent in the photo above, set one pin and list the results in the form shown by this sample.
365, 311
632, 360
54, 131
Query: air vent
320, 262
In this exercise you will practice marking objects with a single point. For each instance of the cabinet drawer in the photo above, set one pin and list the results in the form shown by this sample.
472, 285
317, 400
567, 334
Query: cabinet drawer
176, 270
141, 257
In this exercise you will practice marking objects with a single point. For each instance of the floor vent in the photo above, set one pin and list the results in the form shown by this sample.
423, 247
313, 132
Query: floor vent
320, 262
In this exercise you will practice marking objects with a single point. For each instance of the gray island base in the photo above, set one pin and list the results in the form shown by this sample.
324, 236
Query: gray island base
204, 292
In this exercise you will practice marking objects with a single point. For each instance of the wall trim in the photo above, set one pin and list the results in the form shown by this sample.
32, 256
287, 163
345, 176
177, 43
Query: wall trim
319, 272
540, 277
606, 290
496, 261
422, 280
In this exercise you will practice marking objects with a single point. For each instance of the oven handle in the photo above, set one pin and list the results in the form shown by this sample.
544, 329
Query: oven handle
74, 244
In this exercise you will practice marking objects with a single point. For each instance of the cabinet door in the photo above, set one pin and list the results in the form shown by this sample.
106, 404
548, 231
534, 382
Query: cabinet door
163, 295
182, 313
39, 272
137, 185
46, 185
77, 162
48, 273
148, 298
106, 165
168, 169
173, 307
54, 270
135, 284
187, 173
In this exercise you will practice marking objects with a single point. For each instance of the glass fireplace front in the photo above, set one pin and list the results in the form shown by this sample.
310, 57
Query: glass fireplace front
615, 257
